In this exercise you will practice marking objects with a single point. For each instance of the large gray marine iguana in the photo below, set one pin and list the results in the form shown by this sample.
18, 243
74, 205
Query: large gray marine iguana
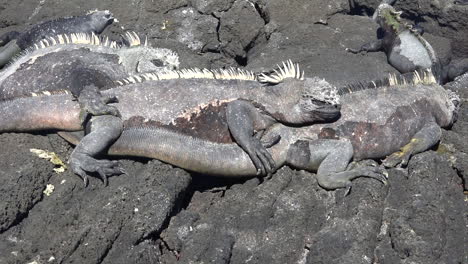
48, 64
405, 47
394, 118
15, 42
218, 107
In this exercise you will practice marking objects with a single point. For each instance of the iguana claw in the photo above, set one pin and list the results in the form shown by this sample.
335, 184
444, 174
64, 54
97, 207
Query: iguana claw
261, 158
343, 179
399, 158
83, 164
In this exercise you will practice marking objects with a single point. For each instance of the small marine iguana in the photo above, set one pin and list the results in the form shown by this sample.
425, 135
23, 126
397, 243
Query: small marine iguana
405, 47
14, 42
219, 107
48, 64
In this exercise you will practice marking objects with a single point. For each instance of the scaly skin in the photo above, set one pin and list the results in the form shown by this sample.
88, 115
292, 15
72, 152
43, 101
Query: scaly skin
213, 109
94, 22
49, 68
374, 123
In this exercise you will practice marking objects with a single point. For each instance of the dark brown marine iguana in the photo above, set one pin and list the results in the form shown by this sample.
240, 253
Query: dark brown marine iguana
219, 107
15, 42
405, 47
48, 64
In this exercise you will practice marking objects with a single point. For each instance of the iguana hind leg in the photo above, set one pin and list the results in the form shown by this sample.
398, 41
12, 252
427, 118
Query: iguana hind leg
104, 130
427, 137
331, 158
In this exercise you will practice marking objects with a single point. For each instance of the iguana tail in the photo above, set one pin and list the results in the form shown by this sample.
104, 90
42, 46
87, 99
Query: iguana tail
56, 112
201, 156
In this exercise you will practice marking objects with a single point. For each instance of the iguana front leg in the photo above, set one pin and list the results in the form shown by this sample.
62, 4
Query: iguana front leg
104, 130
84, 83
93, 102
244, 120
427, 137
373, 46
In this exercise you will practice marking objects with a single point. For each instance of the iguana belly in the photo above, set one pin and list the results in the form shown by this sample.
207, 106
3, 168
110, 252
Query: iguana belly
411, 49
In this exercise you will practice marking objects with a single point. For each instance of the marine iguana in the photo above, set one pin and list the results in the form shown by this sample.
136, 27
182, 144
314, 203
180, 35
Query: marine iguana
396, 117
405, 47
15, 42
396, 120
47, 65
222, 106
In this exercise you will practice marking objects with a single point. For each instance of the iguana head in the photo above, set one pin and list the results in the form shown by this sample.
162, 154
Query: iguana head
138, 57
319, 100
388, 18
312, 99
100, 20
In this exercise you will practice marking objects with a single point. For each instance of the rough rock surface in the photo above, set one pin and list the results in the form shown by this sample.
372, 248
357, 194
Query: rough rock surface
160, 214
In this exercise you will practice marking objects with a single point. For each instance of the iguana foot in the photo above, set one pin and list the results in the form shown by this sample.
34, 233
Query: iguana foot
402, 157
94, 103
260, 156
367, 162
354, 51
82, 164
343, 179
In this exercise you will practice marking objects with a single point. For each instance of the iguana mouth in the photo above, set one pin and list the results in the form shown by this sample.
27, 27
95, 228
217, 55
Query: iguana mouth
327, 111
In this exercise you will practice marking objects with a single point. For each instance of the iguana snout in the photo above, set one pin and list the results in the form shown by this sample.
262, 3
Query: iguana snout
101, 19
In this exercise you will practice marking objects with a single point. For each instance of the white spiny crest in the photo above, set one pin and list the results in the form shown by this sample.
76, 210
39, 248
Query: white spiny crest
95, 10
289, 70
426, 77
75, 38
133, 39
48, 93
194, 73
88, 39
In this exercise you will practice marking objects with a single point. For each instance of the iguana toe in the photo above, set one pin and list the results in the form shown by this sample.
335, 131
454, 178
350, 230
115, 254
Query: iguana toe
399, 158
82, 164
354, 51
343, 179
261, 158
